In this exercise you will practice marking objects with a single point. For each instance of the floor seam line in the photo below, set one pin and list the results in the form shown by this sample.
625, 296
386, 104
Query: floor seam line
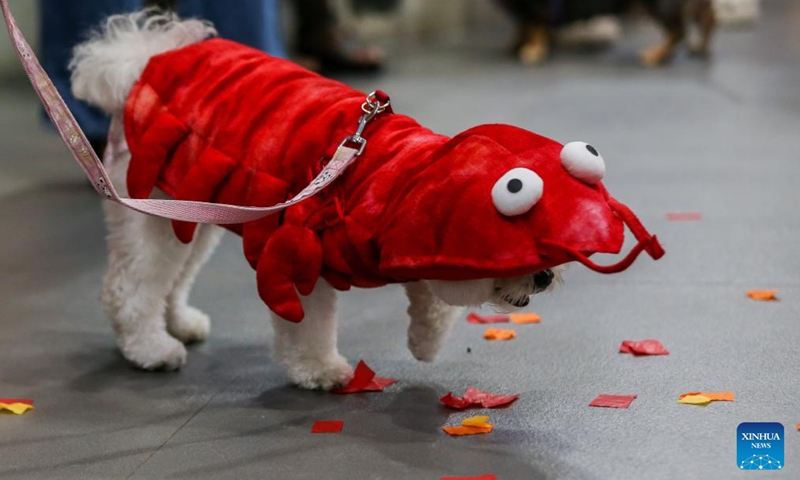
202, 407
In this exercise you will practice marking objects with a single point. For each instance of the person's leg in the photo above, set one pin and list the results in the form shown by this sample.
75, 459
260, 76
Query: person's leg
252, 22
671, 16
532, 41
320, 43
705, 18
63, 25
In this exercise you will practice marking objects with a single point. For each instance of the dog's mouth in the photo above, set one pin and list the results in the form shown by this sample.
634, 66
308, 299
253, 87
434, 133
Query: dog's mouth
517, 302
516, 292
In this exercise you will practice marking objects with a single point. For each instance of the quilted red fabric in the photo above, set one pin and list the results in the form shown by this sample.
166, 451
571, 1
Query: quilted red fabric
217, 121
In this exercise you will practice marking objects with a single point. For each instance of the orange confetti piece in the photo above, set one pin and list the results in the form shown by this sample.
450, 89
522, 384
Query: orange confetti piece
470, 426
499, 334
798, 426
704, 398
523, 318
763, 295
719, 396
714, 396
462, 431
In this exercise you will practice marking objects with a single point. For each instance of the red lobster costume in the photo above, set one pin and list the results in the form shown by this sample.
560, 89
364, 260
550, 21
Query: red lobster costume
220, 122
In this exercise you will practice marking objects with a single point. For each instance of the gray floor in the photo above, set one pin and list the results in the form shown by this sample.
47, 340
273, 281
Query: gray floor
720, 138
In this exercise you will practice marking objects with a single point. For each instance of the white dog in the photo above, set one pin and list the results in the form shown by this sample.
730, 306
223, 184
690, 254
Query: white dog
150, 273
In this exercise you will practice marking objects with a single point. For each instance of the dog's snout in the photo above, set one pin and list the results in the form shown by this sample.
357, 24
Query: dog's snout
543, 279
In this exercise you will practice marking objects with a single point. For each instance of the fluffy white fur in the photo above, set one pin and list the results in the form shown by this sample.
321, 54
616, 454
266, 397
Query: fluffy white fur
105, 68
150, 273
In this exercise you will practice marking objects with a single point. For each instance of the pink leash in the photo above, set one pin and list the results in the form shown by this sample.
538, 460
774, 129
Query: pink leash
189, 211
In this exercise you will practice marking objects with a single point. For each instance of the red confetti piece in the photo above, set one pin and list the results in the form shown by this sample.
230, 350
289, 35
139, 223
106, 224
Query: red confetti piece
364, 380
474, 397
613, 401
480, 477
10, 401
327, 426
479, 319
684, 216
645, 347
458, 403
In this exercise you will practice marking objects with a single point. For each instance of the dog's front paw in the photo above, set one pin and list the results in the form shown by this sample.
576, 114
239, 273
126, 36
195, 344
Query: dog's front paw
319, 374
157, 351
424, 349
188, 324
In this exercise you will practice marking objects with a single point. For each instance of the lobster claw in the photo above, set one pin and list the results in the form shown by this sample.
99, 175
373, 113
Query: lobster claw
291, 263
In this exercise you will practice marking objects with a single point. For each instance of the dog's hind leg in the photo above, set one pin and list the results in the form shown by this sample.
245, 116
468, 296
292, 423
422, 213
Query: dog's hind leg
185, 322
307, 350
145, 260
431, 321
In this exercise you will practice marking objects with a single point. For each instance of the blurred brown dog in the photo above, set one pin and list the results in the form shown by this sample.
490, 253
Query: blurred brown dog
537, 18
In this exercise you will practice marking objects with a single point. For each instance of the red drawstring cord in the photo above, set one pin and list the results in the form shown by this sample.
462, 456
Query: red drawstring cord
651, 245
646, 242
615, 268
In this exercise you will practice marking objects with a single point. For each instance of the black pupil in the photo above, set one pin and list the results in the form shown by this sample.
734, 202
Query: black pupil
592, 150
514, 185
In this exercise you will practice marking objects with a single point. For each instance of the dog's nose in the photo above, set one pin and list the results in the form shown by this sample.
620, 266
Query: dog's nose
543, 279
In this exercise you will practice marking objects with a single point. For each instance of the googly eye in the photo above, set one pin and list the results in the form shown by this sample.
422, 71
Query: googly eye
583, 162
517, 191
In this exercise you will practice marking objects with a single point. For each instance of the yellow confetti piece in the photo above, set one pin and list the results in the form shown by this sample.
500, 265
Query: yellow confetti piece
695, 400
16, 408
523, 318
763, 295
476, 421
499, 334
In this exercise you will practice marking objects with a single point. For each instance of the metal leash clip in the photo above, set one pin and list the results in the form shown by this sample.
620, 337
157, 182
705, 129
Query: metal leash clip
371, 107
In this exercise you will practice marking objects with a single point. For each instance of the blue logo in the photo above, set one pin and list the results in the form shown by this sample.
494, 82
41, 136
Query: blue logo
759, 446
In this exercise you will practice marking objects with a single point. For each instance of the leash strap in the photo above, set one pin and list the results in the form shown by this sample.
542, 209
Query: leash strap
188, 211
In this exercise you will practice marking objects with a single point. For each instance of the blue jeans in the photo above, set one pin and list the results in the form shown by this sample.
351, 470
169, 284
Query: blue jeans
65, 23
